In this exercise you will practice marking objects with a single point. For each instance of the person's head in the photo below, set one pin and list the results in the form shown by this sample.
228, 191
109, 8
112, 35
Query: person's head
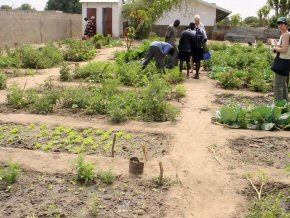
192, 26
197, 19
92, 17
86, 19
171, 51
282, 24
176, 23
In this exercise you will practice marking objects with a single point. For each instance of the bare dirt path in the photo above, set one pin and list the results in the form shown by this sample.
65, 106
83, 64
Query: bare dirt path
206, 189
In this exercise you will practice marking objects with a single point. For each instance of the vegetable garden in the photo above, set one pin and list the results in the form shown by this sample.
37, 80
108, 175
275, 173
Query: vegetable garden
130, 112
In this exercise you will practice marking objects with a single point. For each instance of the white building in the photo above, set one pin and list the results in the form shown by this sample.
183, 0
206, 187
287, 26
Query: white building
107, 13
210, 14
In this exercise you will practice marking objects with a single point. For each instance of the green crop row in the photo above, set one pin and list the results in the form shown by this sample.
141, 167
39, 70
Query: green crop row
148, 103
240, 66
263, 117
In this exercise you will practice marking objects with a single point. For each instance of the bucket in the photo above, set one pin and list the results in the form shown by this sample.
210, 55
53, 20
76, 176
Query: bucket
135, 166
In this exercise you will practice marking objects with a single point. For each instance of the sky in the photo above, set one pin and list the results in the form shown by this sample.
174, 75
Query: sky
244, 7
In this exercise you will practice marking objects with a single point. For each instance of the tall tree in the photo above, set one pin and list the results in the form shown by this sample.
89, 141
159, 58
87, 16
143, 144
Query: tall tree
263, 14
281, 7
236, 20
66, 6
5, 7
25, 7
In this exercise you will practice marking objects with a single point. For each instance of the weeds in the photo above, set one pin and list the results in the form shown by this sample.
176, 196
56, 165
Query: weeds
3, 79
65, 73
95, 204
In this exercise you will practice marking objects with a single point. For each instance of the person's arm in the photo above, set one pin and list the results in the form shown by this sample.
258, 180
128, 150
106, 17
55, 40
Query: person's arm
285, 44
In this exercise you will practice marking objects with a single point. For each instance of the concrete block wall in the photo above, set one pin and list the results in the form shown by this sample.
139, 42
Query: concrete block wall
19, 27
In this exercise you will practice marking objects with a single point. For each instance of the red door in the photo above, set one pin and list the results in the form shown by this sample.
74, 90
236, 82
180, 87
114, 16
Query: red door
107, 21
92, 12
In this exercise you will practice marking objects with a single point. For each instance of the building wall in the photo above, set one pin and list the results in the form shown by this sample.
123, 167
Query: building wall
116, 16
19, 27
186, 12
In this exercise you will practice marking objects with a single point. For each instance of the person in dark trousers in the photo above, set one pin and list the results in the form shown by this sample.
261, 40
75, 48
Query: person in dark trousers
186, 46
170, 37
197, 51
158, 51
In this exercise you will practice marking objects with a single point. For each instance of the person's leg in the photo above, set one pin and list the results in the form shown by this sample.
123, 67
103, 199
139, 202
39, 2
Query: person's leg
280, 87
187, 68
148, 57
181, 66
285, 91
197, 67
175, 56
159, 58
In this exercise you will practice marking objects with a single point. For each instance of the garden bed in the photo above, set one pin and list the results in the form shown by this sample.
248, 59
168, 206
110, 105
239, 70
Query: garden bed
226, 98
57, 195
90, 141
266, 151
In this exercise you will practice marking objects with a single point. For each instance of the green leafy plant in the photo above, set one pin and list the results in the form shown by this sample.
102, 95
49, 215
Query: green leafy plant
15, 97
10, 173
78, 50
85, 170
106, 176
3, 79
65, 73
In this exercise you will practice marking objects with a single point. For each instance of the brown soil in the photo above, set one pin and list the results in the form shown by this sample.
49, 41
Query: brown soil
208, 189
58, 195
265, 151
227, 98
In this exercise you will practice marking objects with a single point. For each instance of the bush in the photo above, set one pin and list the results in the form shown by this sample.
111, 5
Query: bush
3, 79
96, 72
65, 73
180, 91
173, 76
10, 173
153, 105
129, 74
45, 103
85, 170
16, 98
79, 50
230, 81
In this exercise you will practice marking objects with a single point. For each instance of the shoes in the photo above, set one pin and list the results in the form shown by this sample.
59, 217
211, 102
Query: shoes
196, 76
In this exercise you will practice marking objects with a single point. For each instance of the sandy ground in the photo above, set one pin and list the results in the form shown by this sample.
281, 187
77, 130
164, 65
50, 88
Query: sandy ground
206, 188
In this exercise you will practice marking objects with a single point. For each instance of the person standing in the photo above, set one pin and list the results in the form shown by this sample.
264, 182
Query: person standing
281, 65
185, 47
89, 31
158, 51
170, 37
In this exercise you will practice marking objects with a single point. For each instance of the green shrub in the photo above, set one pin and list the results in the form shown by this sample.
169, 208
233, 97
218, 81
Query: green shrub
96, 72
154, 107
107, 176
79, 50
77, 97
129, 74
45, 103
10, 173
269, 207
15, 97
173, 76
65, 73
85, 170
3, 79
180, 91
230, 81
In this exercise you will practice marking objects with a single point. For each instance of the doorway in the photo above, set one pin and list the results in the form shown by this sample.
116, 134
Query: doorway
107, 21
92, 12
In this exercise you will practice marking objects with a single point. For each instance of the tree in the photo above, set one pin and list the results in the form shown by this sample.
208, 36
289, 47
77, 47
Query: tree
281, 7
66, 6
25, 7
250, 20
263, 15
5, 7
236, 20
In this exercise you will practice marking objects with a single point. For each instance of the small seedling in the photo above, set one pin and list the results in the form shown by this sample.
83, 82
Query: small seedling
107, 176
263, 179
94, 204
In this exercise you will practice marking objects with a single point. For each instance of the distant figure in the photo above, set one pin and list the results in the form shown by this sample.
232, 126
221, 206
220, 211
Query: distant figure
89, 31
158, 51
170, 37
186, 46
198, 23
